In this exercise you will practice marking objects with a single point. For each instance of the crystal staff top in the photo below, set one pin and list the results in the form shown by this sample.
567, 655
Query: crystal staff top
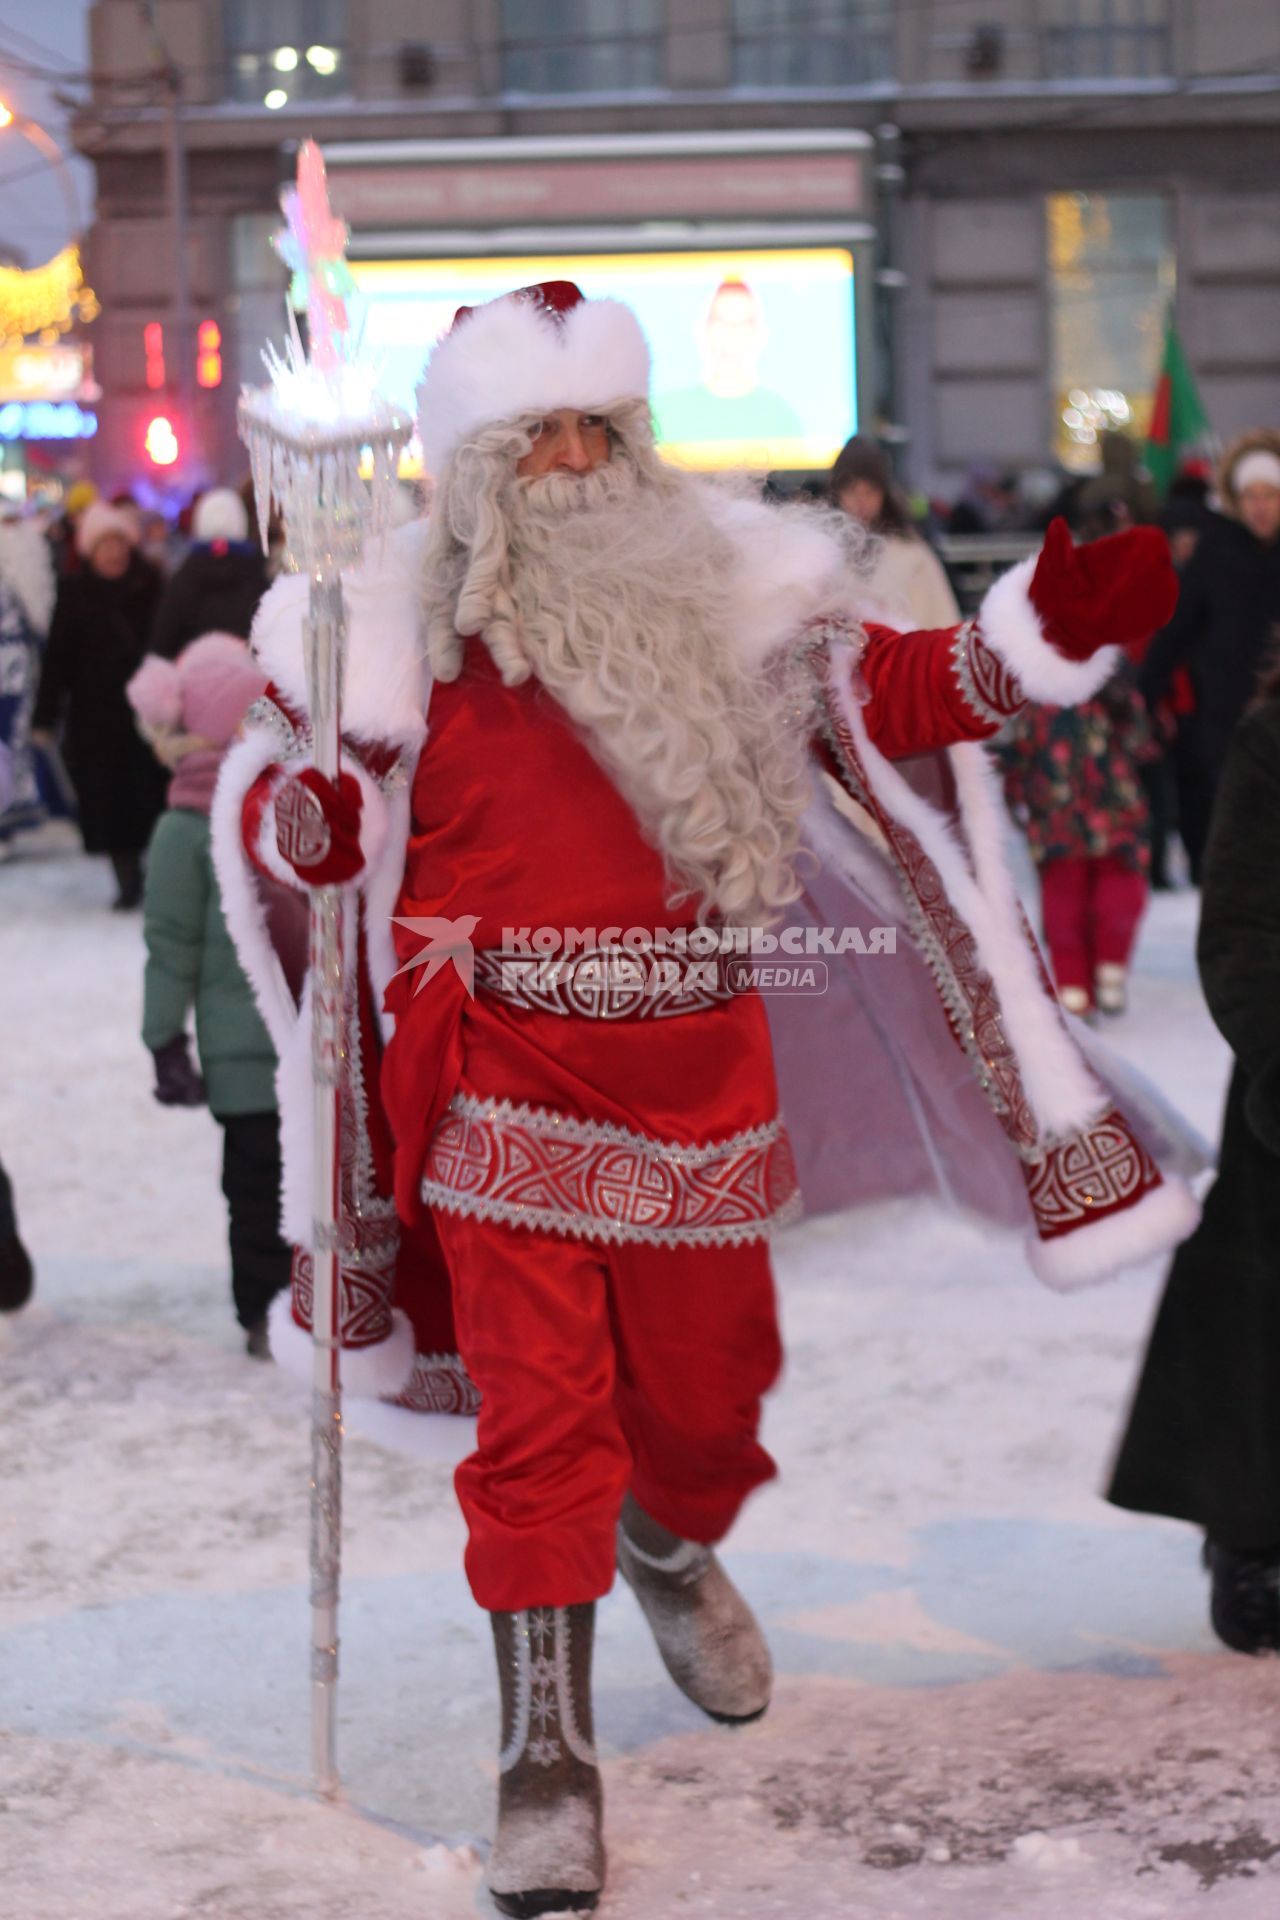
322, 441
313, 245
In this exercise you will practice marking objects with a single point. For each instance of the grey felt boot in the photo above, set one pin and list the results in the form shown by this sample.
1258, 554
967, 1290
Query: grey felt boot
548, 1854
709, 1639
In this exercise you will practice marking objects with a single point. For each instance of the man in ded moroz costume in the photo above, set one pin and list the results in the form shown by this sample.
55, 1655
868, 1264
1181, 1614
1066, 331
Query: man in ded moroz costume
597, 693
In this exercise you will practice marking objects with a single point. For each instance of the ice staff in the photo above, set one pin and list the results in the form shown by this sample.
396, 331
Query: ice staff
313, 433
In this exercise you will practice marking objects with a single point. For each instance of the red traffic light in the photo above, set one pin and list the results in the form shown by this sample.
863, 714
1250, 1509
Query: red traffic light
153, 347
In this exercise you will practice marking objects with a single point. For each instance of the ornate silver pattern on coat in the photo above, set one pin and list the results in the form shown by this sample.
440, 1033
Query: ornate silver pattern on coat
990, 689
945, 943
296, 743
606, 982
531, 1167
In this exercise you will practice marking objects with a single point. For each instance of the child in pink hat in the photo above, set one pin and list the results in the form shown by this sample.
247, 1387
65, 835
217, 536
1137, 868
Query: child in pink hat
191, 709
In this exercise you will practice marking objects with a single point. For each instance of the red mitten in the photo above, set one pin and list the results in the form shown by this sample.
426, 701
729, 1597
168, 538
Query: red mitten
318, 827
1113, 592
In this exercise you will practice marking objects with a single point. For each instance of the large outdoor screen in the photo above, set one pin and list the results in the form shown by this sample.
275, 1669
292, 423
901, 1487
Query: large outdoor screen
753, 352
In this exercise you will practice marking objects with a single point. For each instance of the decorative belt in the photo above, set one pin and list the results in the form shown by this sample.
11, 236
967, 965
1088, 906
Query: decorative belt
608, 983
529, 1167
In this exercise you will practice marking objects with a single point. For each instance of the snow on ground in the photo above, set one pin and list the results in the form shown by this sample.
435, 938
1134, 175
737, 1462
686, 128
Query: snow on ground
996, 1696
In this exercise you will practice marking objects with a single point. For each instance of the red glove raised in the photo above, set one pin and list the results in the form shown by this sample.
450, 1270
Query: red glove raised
318, 827
1113, 592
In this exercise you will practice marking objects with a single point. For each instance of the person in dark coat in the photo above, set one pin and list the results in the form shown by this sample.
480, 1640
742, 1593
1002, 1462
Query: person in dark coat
101, 624
1226, 623
16, 1277
218, 586
1203, 1437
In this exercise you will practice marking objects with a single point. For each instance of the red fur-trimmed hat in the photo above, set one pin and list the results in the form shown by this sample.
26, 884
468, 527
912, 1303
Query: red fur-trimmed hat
530, 351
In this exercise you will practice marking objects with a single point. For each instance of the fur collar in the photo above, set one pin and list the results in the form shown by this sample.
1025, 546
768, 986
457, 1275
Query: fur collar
787, 573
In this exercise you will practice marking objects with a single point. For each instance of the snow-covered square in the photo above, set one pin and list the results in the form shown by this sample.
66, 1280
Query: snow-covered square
996, 1695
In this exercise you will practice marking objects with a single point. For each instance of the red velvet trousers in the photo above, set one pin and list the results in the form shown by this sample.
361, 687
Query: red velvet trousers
603, 1369
1091, 910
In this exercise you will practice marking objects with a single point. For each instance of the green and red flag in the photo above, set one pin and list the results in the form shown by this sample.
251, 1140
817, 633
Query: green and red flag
1179, 423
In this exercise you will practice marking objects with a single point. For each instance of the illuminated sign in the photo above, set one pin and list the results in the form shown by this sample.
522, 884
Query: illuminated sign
47, 373
47, 299
753, 351
46, 420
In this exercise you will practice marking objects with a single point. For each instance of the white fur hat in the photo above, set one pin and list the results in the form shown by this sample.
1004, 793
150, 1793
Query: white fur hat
98, 521
1258, 467
220, 515
528, 352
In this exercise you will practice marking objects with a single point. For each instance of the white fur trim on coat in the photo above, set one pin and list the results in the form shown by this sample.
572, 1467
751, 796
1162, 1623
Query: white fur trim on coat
1105, 1246
510, 357
1012, 629
26, 568
1061, 1091
245, 915
382, 883
788, 572
372, 1373
387, 680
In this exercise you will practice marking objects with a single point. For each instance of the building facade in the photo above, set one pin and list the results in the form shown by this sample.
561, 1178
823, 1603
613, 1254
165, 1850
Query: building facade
1027, 187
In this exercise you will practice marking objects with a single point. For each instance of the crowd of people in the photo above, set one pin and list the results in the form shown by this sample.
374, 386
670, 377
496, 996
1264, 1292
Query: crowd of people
125, 673
564, 557
1100, 789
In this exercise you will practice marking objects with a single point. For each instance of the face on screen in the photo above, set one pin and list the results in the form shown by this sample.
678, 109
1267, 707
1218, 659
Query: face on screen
733, 339
753, 350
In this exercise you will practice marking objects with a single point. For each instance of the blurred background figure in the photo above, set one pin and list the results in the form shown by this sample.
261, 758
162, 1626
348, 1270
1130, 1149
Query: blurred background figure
62, 531
989, 503
191, 709
156, 542
1119, 496
26, 606
101, 624
1226, 624
1182, 519
1203, 1438
16, 1277
1073, 781
216, 589
905, 576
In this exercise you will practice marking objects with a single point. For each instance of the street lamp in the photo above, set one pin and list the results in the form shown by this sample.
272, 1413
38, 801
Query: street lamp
49, 150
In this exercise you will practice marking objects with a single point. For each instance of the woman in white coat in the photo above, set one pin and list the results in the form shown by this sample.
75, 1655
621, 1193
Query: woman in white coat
905, 576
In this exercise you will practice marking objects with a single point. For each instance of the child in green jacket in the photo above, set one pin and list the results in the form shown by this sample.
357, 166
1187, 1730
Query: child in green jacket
190, 709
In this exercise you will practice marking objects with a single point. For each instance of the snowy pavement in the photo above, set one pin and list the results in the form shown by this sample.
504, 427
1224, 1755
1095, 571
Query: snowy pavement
997, 1698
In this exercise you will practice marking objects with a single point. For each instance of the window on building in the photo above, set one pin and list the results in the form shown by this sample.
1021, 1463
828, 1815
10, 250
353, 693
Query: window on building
291, 50
582, 46
1111, 275
825, 43
1105, 39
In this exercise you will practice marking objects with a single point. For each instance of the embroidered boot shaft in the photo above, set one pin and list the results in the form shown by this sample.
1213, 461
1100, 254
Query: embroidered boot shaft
709, 1639
548, 1854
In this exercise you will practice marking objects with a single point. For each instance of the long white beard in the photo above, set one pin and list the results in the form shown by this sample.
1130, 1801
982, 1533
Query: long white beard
620, 604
